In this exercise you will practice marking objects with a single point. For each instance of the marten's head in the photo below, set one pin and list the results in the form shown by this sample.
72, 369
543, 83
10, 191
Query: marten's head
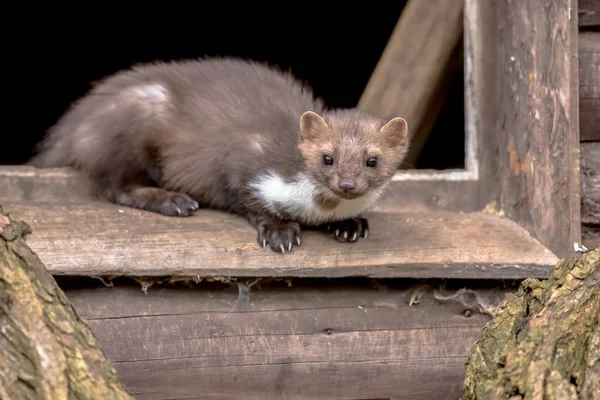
350, 152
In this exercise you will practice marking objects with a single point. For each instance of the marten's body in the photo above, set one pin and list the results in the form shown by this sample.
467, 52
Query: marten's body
230, 135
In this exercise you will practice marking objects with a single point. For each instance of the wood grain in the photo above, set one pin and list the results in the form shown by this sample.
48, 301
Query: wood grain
25, 183
535, 120
104, 239
590, 183
589, 85
589, 13
298, 342
410, 74
481, 68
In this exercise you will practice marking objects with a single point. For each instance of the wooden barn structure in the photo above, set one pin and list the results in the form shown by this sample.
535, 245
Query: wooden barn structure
392, 316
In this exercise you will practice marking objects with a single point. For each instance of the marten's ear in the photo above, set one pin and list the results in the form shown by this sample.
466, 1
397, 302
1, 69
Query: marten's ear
312, 126
395, 132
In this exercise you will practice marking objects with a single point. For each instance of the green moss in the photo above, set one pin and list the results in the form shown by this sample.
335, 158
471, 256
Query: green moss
51, 353
537, 345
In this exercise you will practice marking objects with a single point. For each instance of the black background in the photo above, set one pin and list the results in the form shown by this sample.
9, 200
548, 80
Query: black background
54, 54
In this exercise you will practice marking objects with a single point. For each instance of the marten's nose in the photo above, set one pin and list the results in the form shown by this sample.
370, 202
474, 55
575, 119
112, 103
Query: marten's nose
346, 184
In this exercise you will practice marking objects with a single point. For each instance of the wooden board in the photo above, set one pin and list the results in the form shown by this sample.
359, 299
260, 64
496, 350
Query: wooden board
589, 85
589, 13
532, 116
411, 73
24, 183
104, 239
590, 183
299, 342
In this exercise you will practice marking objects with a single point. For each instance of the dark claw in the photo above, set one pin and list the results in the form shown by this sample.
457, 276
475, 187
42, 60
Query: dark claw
280, 236
349, 230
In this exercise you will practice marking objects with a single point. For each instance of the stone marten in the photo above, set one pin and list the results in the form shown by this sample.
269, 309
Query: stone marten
232, 135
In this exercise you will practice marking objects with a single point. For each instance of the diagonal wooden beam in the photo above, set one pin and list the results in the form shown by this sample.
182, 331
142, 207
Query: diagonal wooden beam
412, 71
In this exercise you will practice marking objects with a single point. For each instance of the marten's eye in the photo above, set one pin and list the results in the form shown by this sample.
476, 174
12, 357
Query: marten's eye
372, 162
327, 160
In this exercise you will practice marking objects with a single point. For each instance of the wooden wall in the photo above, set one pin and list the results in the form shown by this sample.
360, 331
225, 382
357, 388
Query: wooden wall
589, 117
311, 340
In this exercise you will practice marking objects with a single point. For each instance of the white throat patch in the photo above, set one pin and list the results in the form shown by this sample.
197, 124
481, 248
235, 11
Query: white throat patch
296, 199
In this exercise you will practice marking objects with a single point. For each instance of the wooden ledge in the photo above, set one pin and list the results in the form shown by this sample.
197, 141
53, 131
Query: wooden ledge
100, 239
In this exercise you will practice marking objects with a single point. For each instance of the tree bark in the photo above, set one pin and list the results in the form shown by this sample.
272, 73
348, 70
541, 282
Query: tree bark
544, 341
46, 350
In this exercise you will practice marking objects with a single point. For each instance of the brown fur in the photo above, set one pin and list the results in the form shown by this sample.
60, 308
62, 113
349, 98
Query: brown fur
170, 137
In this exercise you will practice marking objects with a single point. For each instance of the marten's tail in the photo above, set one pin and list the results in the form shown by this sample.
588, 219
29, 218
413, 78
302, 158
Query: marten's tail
52, 152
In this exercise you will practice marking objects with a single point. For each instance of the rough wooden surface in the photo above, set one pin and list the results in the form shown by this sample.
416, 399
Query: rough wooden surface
407, 78
25, 183
305, 341
589, 85
589, 13
481, 68
590, 183
536, 122
46, 350
544, 342
104, 239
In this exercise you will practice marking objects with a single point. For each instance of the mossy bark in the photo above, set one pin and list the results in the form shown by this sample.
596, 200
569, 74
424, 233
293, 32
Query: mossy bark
544, 342
46, 350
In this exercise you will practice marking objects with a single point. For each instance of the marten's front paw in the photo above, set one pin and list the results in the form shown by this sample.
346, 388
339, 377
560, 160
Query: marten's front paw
280, 236
158, 200
177, 204
349, 230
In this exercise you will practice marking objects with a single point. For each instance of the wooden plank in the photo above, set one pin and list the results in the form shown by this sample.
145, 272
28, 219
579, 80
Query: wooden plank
589, 85
590, 183
410, 380
411, 71
589, 13
24, 183
535, 119
350, 341
104, 239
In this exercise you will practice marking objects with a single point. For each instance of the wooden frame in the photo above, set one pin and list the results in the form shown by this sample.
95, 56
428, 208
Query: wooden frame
514, 97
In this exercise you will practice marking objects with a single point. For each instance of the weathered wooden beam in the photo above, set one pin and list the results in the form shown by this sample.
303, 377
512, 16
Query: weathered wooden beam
311, 339
105, 239
590, 183
25, 183
532, 121
46, 350
589, 85
589, 13
408, 76
544, 342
